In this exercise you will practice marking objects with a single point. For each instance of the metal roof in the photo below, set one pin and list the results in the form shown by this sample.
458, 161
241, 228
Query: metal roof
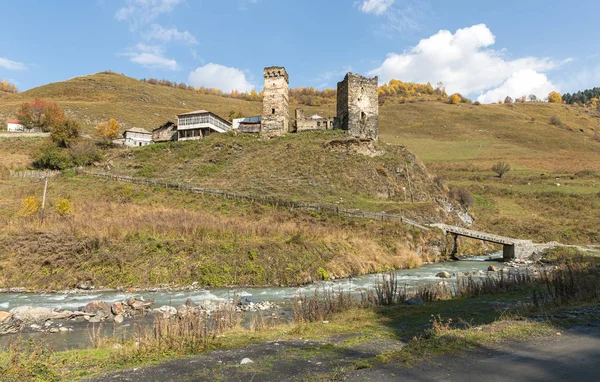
194, 112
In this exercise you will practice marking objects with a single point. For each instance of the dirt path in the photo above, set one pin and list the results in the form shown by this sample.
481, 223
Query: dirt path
573, 355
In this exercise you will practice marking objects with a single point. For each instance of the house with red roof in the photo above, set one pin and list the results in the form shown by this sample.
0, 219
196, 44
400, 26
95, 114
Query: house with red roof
14, 125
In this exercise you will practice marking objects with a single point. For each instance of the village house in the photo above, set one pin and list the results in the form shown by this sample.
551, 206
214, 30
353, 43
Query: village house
165, 133
315, 122
14, 125
198, 124
247, 125
136, 137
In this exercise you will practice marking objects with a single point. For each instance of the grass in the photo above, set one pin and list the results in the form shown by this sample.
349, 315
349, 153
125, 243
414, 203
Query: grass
119, 235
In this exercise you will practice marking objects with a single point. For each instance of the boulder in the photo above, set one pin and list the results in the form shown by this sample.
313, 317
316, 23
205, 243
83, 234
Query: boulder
117, 308
130, 301
54, 330
167, 311
444, 275
5, 317
95, 320
85, 285
141, 305
96, 307
246, 361
414, 301
492, 268
28, 313
118, 319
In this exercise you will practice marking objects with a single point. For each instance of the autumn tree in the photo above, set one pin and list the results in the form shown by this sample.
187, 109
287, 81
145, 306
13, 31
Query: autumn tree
66, 133
532, 98
501, 168
108, 131
455, 99
554, 97
508, 99
41, 114
6, 86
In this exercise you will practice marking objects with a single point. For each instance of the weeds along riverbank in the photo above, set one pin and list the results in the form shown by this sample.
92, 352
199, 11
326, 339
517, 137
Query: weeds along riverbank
418, 319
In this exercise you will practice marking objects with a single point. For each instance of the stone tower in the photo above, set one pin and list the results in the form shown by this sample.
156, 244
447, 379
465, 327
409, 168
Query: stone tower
275, 117
358, 106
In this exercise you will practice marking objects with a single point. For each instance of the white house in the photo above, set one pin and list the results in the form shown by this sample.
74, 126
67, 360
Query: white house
14, 125
198, 124
136, 137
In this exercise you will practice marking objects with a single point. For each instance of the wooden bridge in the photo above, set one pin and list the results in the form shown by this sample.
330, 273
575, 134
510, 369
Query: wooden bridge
511, 248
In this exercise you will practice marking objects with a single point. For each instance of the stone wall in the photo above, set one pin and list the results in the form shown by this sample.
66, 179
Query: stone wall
358, 106
275, 118
304, 123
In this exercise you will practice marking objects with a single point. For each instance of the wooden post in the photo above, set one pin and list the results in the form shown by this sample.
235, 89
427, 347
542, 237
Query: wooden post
44, 198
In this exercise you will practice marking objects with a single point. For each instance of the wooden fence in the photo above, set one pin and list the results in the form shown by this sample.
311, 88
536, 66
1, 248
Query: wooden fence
36, 174
324, 208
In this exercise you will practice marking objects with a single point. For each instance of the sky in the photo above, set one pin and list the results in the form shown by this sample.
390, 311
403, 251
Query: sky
485, 50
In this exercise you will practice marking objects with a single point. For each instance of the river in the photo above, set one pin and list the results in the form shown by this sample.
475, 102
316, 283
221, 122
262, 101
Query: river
409, 278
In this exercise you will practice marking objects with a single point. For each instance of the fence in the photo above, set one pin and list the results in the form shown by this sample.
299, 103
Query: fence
324, 208
36, 174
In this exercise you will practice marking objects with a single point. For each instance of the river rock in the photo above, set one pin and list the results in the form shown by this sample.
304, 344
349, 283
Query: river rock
444, 275
96, 307
492, 268
118, 319
117, 308
85, 285
414, 301
28, 313
54, 330
141, 305
5, 317
168, 311
246, 361
95, 320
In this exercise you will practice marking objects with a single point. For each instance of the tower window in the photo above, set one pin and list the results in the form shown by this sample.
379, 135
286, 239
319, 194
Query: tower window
272, 111
363, 116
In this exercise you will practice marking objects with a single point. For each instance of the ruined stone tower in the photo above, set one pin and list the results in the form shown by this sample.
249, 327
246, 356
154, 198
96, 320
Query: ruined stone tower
358, 106
275, 118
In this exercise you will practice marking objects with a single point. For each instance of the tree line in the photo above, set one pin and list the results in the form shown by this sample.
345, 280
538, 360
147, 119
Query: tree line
585, 97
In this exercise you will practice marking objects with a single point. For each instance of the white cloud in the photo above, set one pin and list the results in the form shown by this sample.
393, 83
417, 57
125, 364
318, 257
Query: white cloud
11, 65
151, 56
465, 63
521, 83
220, 77
140, 12
157, 32
377, 7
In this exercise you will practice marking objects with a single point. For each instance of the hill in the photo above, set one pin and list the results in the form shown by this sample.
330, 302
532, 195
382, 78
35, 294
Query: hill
459, 143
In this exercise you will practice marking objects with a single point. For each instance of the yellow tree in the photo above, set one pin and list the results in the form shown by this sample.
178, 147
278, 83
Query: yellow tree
554, 97
108, 131
455, 99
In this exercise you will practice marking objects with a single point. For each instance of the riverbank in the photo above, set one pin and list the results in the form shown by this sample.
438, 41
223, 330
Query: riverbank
337, 344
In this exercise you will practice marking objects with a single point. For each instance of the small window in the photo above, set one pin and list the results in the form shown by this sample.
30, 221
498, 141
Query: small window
139, 144
363, 116
272, 111
319, 124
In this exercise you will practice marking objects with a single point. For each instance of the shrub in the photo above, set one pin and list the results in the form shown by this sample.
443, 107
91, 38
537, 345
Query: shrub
464, 197
554, 120
64, 207
501, 168
508, 100
53, 157
477, 103
30, 206
84, 153
323, 273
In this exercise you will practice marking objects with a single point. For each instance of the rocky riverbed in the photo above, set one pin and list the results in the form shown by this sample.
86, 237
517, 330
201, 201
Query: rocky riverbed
57, 320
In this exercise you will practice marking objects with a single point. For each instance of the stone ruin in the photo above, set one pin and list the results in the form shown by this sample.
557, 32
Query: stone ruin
358, 107
275, 117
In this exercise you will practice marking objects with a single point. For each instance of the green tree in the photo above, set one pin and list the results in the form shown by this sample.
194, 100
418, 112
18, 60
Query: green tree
66, 133
501, 168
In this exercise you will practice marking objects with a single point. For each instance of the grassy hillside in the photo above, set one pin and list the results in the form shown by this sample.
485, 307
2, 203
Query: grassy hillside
550, 194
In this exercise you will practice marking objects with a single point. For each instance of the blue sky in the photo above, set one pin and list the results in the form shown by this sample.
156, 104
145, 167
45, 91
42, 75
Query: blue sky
483, 49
